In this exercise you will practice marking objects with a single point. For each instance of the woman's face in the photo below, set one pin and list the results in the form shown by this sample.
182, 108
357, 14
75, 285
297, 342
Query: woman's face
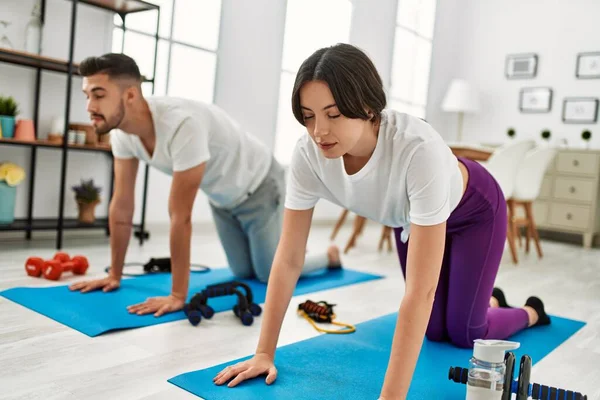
335, 134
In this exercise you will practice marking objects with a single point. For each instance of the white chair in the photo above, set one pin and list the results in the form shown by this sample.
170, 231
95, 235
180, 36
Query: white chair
527, 189
503, 165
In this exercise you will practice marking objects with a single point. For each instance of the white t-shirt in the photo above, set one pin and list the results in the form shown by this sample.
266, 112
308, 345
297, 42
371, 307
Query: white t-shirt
412, 176
189, 133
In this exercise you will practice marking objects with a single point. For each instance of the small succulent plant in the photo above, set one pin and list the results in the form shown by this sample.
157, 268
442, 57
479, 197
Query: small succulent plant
8, 106
87, 192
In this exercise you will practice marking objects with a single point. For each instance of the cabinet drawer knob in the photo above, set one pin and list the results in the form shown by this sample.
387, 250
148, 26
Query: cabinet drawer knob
569, 216
572, 189
576, 163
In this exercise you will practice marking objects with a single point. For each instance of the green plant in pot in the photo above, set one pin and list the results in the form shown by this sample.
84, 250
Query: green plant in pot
8, 111
87, 196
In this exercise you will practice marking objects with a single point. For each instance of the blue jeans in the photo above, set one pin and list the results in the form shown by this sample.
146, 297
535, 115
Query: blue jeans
250, 232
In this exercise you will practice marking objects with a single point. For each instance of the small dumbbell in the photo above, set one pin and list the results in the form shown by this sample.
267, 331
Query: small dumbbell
34, 266
54, 268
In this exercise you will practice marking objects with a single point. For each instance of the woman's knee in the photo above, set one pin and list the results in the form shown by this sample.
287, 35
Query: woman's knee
462, 336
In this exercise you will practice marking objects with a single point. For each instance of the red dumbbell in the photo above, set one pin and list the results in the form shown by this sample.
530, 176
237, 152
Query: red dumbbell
54, 268
34, 266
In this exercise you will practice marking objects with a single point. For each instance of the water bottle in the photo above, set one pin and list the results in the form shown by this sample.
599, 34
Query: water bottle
487, 369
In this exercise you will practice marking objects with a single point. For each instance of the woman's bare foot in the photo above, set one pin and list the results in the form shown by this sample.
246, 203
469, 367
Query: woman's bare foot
333, 255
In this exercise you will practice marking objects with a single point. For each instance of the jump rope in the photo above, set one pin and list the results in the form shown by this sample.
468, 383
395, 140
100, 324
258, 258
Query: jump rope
155, 266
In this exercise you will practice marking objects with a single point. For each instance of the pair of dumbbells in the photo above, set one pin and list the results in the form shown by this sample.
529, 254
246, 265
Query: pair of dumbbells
54, 268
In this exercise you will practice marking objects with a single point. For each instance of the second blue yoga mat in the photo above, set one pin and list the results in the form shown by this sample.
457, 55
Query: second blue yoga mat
353, 366
96, 313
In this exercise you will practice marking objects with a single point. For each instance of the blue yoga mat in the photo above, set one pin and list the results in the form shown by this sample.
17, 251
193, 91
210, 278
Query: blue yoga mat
96, 312
353, 366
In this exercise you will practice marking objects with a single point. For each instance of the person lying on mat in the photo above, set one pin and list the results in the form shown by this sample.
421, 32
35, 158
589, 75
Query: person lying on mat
449, 216
201, 147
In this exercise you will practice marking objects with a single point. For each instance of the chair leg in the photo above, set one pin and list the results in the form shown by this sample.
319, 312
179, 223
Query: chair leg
511, 243
510, 232
359, 223
339, 224
512, 218
533, 227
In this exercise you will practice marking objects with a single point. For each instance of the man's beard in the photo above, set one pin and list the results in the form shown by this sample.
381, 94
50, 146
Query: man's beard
114, 122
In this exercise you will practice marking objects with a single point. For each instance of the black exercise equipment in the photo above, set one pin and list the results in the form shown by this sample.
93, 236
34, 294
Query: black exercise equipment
245, 309
521, 387
155, 266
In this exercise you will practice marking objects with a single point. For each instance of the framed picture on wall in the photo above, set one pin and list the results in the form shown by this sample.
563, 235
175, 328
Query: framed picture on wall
588, 66
521, 66
535, 100
580, 110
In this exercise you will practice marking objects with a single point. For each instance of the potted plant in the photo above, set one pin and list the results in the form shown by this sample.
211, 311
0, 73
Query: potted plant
87, 197
511, 133
11, 175
8, 111
586, 136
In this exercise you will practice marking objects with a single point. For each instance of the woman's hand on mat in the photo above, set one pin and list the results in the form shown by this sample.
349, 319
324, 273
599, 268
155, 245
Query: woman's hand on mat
106, 284
158, 306
260, 364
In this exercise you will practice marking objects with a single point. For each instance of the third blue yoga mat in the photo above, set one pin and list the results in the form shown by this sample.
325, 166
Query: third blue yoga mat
95, 313
353, 366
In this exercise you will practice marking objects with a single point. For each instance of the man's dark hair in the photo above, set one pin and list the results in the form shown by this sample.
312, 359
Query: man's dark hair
115, 65
351, 76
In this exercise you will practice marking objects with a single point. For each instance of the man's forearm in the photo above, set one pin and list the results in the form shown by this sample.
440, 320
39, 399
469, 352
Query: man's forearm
410, 330
180, 242
119, 222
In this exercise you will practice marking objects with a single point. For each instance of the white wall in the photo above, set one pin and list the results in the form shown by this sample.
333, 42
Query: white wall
19, 82
472, 41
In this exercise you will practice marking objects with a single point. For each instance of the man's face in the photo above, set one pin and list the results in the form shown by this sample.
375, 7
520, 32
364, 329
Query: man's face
105, 102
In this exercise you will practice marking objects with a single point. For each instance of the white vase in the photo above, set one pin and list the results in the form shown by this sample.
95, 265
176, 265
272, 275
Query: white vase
33, 32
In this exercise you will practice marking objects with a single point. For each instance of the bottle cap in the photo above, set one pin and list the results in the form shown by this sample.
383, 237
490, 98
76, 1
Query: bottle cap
492, 350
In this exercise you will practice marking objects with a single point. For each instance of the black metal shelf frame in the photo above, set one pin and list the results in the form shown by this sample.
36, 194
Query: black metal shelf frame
70, 68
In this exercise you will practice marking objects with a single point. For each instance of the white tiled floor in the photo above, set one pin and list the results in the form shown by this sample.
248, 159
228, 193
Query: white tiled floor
41, 359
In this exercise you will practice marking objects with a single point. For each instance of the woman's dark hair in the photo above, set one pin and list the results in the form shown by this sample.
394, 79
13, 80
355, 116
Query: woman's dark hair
115, 65
351, 77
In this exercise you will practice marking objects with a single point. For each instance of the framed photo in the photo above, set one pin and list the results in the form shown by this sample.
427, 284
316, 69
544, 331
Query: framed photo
535, 100
521, 66
580, 110
588, 66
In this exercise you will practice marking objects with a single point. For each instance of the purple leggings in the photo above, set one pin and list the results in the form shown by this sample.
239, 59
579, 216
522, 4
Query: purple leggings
475, 237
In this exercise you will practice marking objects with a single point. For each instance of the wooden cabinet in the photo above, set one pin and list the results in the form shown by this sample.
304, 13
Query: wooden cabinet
569, 199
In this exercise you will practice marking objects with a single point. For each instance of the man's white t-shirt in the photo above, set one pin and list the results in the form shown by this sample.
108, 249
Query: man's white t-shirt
411, 177
189, 133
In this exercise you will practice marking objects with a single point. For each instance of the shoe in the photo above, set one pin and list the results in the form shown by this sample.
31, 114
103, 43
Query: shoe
538, 306
498, 294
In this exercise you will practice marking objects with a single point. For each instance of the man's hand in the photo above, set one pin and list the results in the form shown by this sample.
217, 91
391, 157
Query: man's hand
158, 306
106, 284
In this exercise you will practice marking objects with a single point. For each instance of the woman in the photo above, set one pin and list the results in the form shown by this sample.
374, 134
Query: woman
394, 169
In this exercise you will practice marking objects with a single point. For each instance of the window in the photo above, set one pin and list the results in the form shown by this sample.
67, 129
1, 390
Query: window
187, 47
412, 56
309, 25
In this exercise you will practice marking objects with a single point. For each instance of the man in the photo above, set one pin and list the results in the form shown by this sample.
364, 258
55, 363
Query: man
201, 147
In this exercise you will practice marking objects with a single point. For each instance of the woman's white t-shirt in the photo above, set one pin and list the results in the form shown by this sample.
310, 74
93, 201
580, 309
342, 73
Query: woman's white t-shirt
411, 177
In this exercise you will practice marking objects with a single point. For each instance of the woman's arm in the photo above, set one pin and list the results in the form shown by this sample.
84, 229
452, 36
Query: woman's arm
424, 260
284, 275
